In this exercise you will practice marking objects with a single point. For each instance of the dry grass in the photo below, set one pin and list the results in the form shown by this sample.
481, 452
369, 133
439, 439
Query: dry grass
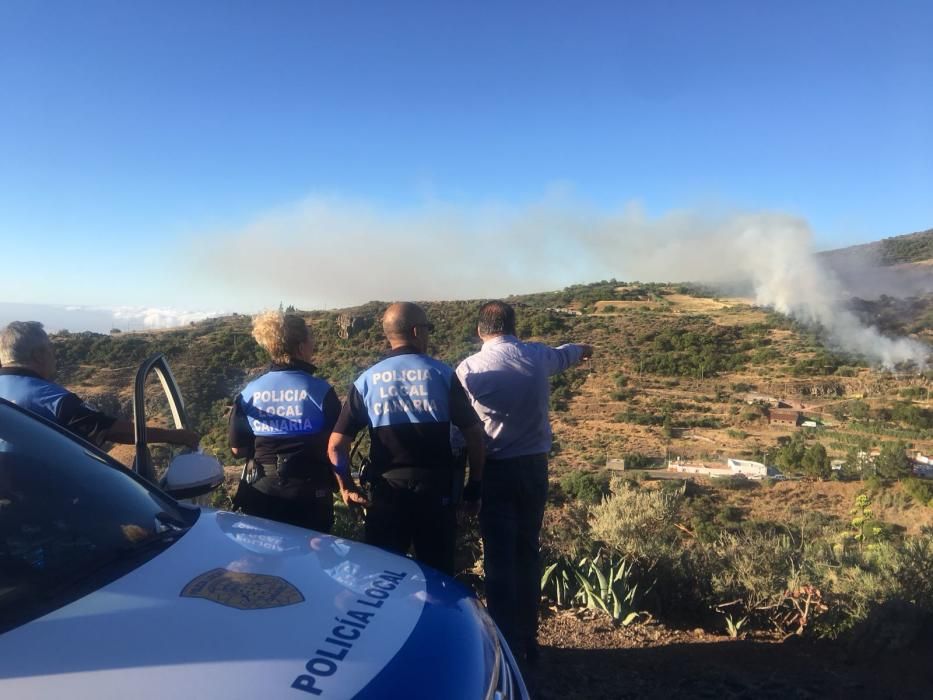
696, 305
620, 306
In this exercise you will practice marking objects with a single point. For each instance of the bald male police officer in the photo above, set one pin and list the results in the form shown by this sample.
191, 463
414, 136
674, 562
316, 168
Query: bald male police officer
408, 401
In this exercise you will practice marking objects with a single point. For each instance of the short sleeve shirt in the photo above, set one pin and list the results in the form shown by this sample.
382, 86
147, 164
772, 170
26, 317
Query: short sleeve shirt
286, 416
408, 401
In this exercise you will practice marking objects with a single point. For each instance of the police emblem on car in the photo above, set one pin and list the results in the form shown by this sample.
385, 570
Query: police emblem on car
243, 591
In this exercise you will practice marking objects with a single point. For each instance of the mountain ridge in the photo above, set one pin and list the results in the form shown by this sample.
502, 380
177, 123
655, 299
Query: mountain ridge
895, 250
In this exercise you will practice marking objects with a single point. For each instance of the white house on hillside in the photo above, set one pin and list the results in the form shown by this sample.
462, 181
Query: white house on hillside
922, 466
753, 470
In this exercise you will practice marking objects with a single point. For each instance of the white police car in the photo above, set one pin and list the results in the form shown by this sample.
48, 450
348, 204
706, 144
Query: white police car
110, 588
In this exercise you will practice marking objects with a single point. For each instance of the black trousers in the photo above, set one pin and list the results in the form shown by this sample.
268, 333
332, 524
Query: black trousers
514, 496
418, 516
311, 508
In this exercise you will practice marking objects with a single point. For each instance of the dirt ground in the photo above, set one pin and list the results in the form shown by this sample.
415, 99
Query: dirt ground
585, 656
786, 501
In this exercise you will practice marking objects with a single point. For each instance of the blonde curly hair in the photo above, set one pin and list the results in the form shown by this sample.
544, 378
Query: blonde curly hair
280, 334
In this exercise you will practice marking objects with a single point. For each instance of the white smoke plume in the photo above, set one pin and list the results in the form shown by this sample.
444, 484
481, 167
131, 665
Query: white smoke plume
772, 254
332, 251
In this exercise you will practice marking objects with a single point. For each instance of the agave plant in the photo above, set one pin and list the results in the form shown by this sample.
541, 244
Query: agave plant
559, 582
602, 583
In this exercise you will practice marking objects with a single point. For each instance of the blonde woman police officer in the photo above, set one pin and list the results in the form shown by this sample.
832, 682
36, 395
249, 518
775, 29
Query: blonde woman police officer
283, 420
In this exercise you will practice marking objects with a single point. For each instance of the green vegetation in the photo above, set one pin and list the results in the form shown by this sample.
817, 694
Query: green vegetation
584, 486
690, 348
661, 379
910, 248
920, 490
807, 577
815, 462
602, 583
564, 386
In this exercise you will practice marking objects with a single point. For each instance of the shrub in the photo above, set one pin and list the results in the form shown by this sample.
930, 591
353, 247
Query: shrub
637, 521
639, 417
754, 568
858, 410
566, 532
584, 486
913, 392
637, 460
919, 490
736, 483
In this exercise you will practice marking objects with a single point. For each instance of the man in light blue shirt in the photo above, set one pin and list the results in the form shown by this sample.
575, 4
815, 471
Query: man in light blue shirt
508, 384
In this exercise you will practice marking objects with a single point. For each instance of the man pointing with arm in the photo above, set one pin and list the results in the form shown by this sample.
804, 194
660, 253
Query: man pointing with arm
508, 384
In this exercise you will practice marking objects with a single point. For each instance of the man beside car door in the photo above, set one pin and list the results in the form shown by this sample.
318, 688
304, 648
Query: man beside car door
28, 367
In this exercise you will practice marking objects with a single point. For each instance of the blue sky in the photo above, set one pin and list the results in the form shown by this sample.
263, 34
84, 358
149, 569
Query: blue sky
136, 136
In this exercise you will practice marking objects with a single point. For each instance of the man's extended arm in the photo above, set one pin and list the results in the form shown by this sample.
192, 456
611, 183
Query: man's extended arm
123, 432
98, 428
565, 356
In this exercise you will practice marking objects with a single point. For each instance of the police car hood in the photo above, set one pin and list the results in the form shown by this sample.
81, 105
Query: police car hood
242, 607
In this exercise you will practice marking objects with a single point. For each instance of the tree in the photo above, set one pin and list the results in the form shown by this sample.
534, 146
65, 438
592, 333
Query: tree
858, 410
892, 463
838, 412
816, 463
790, 456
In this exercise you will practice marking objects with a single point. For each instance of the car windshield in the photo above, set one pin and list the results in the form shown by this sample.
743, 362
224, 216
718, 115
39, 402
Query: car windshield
71, 520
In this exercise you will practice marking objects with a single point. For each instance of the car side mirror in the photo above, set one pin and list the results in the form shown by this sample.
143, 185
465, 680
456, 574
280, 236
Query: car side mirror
192, 475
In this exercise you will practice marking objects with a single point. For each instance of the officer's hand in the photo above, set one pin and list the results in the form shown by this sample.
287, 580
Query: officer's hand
587, 351
352, 496
188, 438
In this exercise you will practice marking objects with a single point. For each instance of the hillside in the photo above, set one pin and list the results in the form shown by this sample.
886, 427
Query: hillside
897, 250
677, 372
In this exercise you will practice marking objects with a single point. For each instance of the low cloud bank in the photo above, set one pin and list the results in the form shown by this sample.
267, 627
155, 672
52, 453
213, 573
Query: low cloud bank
134, 318
333, 251
99, 319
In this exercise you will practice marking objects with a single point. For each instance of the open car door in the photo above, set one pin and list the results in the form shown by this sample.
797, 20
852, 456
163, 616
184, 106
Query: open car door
188, 475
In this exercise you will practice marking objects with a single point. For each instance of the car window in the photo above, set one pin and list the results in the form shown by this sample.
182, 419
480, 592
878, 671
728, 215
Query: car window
71, 520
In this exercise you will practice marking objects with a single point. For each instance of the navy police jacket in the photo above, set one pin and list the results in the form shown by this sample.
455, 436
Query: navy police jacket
286, 417
408, 401
28, 390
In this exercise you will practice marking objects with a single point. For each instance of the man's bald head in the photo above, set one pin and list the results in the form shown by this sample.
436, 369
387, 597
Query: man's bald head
405, 323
